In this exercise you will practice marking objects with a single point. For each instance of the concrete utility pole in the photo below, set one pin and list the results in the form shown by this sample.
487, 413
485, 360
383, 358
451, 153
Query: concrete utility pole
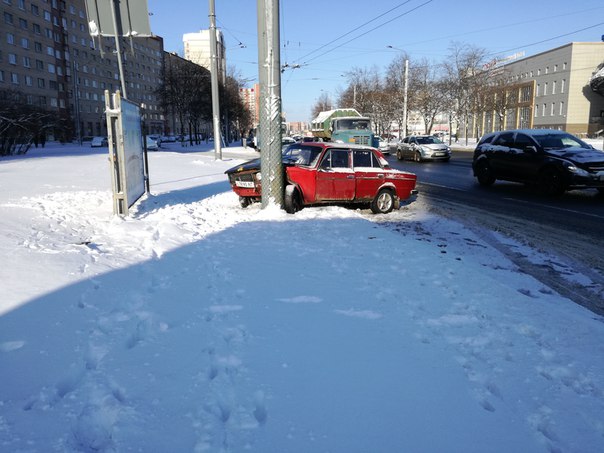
214, 78
269, 69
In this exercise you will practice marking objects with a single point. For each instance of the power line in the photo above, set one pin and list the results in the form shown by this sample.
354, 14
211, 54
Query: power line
355, 29
368, 31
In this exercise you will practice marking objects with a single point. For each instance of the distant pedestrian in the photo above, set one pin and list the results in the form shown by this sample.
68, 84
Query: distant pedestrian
36, 139
43, 139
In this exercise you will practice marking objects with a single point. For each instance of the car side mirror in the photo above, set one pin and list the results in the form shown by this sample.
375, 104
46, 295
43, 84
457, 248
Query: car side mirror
531, 149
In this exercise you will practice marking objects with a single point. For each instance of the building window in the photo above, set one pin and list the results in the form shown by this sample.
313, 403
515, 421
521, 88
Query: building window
37, 29
561, 108
554, 87
538, 90
1, 76
544, 110
51, 68
23, 24
40, 65
562, 85
8, 18
29, 81
544, 88
25, 43
41, 83
10, 38
553, 108
35, 10
47, 16
12, 58
38, 47
564, 66
27, 62
14, 78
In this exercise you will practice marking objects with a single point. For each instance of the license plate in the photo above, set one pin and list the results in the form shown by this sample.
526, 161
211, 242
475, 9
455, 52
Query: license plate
246, 184
439, 154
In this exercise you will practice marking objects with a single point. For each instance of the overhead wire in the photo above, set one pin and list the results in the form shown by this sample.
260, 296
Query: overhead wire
369, 31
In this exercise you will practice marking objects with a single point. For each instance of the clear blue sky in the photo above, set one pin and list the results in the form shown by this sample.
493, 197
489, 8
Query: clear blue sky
423, 28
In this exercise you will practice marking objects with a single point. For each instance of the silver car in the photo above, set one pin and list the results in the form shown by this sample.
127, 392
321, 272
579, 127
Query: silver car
423, 147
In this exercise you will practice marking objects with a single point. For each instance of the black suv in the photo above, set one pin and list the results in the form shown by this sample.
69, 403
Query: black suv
554, 160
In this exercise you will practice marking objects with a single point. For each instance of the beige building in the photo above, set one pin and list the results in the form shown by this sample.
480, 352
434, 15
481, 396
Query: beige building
197, 50
552, 90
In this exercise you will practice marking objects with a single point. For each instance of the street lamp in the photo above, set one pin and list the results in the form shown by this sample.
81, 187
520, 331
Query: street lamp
405, 86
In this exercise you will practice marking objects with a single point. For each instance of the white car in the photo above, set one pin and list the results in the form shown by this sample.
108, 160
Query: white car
152, 144
98, 142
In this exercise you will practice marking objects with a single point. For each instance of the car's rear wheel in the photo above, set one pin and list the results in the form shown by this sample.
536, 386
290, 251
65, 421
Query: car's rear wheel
551, 182
292, 200
383, 203
484, 174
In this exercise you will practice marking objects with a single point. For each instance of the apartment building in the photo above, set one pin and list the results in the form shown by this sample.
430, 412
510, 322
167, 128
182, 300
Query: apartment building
198, 50
47, 53
251, 99
552, 90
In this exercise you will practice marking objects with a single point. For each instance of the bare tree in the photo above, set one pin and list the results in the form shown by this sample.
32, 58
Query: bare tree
428, 92
463, 68
323, 104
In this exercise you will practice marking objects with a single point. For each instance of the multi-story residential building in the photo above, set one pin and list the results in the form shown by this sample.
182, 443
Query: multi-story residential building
552, 90
197, 50
251, 99
47, 53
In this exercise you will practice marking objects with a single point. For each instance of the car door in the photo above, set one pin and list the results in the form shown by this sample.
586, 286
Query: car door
408, 147
335, 176
501, 154
525, 158
368, 173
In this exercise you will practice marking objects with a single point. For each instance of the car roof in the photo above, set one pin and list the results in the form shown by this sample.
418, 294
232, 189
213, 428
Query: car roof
531, 131
326, 145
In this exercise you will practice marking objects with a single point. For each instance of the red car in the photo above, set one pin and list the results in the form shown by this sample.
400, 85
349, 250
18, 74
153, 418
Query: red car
329, 173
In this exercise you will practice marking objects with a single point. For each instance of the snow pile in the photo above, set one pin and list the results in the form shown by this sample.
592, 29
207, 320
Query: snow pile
196, 325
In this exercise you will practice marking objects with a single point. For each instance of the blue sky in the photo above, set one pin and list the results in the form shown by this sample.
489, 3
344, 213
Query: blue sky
330, 38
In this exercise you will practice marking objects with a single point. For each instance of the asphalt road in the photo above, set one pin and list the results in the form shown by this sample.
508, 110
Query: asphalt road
570, 228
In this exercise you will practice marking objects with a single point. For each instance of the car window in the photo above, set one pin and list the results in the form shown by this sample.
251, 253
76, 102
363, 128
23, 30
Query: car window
560, 140
303, 155
335, 158
428, 140
505, 139
365, 158
522, 141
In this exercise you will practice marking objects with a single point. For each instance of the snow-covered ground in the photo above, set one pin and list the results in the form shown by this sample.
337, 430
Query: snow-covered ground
196, 325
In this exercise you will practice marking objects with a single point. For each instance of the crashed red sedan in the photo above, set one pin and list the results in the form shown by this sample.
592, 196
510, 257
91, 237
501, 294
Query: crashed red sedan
329, 173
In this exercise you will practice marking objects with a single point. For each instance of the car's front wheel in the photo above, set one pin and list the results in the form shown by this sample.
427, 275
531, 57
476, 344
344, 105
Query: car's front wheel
383, 202
417, 157
399, 154
292, 200
484, 174
245, 201
551, 182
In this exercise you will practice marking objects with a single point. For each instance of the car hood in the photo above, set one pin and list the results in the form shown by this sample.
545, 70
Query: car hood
253, 164
436, 146
578, 155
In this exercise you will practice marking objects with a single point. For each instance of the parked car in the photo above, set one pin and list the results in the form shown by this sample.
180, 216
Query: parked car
321, 172
152, 144
555, 161
423, 147
98, 142
168, 138
157, 138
